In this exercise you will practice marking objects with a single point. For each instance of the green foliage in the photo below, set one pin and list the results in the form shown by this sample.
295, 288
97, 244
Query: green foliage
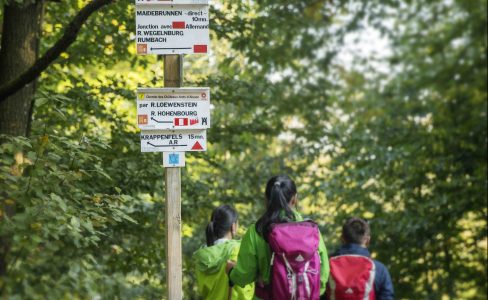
412, 153
73, 228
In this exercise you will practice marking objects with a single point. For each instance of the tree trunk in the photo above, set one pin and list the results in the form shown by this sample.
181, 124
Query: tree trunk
20, 44
19, 50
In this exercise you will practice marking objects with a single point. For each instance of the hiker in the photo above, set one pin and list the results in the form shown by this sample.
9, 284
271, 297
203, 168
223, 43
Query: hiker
283, 247
211, 261
353, 274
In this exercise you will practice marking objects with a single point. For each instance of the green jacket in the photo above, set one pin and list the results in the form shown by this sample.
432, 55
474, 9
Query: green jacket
253, 262
212, 281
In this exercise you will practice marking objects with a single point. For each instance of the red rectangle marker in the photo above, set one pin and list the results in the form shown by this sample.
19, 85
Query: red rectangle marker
179, 25
181, 121
200, 48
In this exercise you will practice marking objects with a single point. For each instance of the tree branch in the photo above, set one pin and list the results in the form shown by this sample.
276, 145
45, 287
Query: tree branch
61, 45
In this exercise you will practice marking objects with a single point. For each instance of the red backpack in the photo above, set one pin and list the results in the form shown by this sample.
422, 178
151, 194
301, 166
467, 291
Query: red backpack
351, 278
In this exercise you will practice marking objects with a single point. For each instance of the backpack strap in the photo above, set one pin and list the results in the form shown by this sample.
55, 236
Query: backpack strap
372, 275
292, 278
332, 286
305, 278
229, 296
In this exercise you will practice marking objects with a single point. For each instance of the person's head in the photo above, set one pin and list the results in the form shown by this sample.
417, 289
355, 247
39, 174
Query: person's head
223, 222
356, 231
281, 196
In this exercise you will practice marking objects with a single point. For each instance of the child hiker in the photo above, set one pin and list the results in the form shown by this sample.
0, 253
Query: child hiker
284, 256
211, 260
353, 274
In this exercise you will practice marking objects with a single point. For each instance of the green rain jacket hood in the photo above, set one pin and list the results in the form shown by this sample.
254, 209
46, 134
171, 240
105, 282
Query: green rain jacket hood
209, 260
212, 280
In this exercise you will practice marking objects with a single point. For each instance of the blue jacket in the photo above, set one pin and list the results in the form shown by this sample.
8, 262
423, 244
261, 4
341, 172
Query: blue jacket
383, 286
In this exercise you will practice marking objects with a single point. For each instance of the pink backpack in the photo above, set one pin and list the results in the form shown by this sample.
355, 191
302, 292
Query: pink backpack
295, 262
351, 278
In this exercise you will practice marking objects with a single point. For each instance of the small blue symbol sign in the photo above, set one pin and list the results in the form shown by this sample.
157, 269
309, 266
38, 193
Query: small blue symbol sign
174, 158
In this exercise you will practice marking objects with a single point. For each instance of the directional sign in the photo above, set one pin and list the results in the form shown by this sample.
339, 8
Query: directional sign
173, 140
172, 2
173, 108
173, 159
172, 29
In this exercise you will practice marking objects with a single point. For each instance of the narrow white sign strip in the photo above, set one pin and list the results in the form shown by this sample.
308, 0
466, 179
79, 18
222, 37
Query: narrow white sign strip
173, 140
172, 29
173, 108
172, 2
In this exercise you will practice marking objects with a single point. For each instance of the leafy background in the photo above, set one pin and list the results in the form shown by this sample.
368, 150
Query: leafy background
397, 136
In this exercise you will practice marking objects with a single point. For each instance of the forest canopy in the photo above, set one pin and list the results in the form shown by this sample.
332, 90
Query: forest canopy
376, 109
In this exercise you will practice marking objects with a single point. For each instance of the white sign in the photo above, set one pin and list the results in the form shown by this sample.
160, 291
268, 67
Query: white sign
172, 29
173, 159
173, 108
173, 140
172, 2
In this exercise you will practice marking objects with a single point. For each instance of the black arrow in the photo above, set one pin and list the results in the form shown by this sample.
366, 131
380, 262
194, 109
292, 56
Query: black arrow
168, 122
171, 48
160, 146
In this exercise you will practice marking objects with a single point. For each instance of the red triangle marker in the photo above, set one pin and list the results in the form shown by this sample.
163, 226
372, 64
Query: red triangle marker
197, 146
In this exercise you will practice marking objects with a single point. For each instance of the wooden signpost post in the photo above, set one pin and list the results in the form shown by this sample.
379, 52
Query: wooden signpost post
173, 28
173, 77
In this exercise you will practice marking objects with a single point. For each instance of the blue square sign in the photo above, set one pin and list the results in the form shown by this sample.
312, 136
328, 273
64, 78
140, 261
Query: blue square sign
173, 159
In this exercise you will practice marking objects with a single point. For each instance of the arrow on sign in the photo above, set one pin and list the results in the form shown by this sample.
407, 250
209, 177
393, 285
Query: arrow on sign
159, 146
170, 48
170, 122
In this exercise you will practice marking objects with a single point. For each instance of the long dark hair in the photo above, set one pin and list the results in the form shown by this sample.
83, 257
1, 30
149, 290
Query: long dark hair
220, 223
280, 190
